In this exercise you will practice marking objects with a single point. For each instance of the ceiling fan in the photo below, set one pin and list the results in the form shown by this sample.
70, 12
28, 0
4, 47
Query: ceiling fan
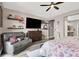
53, 4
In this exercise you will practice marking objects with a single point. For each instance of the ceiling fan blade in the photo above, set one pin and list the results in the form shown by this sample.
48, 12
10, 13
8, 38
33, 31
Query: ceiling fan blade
48, 9
56, 7
58, 3
44, 5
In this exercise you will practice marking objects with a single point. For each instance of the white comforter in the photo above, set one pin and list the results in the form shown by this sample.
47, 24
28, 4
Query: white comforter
57, 48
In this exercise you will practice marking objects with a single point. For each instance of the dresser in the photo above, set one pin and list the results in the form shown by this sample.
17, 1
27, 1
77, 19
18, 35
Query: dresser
35, 35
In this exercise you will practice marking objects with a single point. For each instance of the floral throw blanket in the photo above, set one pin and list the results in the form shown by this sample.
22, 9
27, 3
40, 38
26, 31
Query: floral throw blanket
60, 49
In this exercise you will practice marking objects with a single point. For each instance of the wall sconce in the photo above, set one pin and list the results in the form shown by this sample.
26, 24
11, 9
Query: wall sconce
45, 26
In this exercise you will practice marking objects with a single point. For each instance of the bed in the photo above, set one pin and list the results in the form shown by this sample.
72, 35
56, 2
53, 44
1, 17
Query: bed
68, 47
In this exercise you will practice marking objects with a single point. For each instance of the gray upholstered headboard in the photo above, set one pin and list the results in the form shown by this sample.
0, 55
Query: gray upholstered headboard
7, 35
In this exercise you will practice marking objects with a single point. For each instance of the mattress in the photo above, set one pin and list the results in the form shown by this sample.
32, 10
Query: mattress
68, 47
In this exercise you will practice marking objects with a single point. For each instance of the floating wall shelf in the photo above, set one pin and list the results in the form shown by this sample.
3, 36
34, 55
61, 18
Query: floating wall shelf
15, 28
15, 19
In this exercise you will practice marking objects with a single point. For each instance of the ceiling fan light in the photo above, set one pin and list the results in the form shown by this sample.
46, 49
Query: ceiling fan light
52, 6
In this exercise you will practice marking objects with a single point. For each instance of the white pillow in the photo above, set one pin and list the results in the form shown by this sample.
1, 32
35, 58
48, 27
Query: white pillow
18, 39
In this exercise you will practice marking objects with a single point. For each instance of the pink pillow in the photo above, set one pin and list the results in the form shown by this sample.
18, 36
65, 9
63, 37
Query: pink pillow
13, 39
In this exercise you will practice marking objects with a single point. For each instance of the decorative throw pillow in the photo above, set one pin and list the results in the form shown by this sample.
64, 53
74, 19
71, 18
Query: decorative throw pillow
13, 39
18, 39
21, 37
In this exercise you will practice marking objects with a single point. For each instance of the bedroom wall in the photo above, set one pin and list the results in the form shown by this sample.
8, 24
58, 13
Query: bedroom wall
60, 28
74, 24
8, 23
0, 30
1, 27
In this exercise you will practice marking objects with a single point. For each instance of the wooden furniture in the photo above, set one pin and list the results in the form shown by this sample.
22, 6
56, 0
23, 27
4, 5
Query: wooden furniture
20, 19
14, 17
14, 28
35, 35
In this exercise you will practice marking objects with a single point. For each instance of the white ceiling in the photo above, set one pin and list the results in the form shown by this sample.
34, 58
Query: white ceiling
34, 8
73, 17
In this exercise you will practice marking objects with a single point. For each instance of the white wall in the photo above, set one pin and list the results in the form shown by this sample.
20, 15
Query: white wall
8, 23
61, 26
58, 28
1, 27
0, 30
